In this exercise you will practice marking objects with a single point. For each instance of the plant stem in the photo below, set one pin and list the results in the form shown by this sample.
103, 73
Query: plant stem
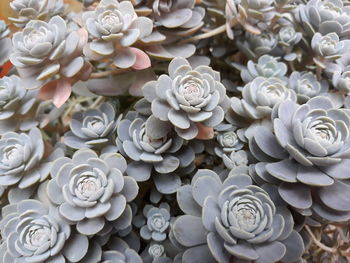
318, 243
211, 33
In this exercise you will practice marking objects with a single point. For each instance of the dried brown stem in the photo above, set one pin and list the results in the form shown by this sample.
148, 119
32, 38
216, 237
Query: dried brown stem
318, 243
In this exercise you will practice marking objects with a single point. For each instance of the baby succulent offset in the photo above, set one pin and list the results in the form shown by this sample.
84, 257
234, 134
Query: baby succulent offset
33, 232
91, 190
93, 128
233, 220
113, 27
307, 156
189, 98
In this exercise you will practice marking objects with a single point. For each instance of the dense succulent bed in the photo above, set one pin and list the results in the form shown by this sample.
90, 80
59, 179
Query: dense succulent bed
163, 131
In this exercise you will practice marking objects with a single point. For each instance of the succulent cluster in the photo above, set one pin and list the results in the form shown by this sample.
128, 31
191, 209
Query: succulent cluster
173, 131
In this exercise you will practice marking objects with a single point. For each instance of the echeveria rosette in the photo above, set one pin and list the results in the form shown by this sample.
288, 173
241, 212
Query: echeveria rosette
341, 79
233, 220
114, 27
31, 10
324, 16
254, 46
157, 222
34, 232
329, 47
288, 37
306, 85
91, 190
190, 98
307, 156
14, 97
228, 140
260, 96
94, 128
22, 162
267, 66
47, 55
152, 143
182, 15
5, 42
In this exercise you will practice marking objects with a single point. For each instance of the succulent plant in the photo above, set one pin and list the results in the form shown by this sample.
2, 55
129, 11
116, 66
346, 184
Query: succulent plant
308, 157
5, 42
21, 160
151, 143
288, 37
14, 98
228, 140
181, 15
189, 98
34, 232
341, 79
260, 96
324, 16
28, 10
329, 46
90, 191
306, 85
267, 66
156, 250
254, 46
93, 128
157, 222
235, 159
114, 27
43, 50
233, 220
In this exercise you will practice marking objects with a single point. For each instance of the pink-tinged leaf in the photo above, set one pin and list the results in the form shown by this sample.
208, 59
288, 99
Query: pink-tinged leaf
83, 38
204, 132
48, 90
62, 92
142, 59
85, 72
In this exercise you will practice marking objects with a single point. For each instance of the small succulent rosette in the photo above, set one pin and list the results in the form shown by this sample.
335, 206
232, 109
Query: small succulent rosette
233, 220
324, 16
91, 191
33, 232
307, 155
192, 99
114, 27
267, 66
47, 55
255, 45
22, 163
152, 143
259, 97
15, 102
94, 128
28, 10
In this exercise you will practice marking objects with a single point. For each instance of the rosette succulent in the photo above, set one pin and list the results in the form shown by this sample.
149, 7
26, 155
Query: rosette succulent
254, 46
233, 220
324, 16
341, 79
152, 143
47, 49
307, 156
33, 232
329, 46
228, 140
260, 96
21, 160
91, 190
288, 37
93, 128
267, 67
157, 222
5, 43
31, 10
306, 85
189, 98
182, 14
113, 27
14, 98
235, 159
